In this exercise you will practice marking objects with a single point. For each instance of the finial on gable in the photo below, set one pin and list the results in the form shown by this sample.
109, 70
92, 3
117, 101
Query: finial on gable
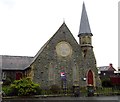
63, 20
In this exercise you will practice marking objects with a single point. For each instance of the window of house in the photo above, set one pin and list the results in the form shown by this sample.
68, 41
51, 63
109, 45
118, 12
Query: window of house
3, 75
18, 75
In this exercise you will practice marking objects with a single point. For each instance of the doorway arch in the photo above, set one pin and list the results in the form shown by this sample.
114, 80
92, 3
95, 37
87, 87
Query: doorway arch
90, 77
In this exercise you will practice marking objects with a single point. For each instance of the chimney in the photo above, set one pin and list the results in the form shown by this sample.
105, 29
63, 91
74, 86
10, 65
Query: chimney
111, 65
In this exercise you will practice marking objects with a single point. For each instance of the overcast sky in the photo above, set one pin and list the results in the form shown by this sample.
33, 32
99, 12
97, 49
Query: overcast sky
25, 25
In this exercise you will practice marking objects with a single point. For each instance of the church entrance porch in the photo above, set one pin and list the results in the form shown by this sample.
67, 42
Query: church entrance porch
90, 83
90, 78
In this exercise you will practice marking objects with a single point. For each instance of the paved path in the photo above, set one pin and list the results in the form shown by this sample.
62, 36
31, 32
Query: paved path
66, 99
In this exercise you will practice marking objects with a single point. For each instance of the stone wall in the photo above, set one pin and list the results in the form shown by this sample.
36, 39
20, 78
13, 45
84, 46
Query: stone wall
48, 63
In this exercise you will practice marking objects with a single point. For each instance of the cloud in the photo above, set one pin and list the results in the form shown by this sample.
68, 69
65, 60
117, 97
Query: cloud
8, 3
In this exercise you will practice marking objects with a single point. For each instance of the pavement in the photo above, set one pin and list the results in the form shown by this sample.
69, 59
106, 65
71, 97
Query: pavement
65, 99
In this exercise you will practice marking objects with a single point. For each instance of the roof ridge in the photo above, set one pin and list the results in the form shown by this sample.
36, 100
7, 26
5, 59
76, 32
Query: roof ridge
16, 56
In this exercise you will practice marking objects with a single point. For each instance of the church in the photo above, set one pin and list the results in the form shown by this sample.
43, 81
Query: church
61, 61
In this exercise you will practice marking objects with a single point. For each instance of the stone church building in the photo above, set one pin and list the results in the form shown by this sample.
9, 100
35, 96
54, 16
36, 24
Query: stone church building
61, 61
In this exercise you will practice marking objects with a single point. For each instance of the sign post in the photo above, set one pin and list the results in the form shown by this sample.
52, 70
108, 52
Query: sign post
63, 79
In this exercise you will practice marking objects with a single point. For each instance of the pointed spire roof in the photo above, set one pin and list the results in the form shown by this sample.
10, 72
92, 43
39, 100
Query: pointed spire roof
84, 23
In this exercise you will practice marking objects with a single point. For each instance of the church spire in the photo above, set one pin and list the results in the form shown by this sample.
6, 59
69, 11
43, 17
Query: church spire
84, 24
85, 35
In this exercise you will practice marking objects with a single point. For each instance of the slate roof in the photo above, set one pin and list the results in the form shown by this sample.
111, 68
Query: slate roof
106, 68
84, 23
15, 62
103, 68
23, 62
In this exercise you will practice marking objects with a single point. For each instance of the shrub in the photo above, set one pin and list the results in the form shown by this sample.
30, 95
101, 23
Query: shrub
55, 89
106, 83
6, 90
7, 81
24, 87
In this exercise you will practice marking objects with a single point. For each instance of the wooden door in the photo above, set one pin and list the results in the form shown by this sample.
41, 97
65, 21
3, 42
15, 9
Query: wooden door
18, 75
90, 78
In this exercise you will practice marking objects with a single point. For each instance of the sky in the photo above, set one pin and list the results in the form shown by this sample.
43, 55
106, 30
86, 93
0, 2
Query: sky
25, 25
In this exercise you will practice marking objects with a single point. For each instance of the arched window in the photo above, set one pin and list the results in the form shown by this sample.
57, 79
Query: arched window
88, 39
75, 72
51, 72
83, 40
